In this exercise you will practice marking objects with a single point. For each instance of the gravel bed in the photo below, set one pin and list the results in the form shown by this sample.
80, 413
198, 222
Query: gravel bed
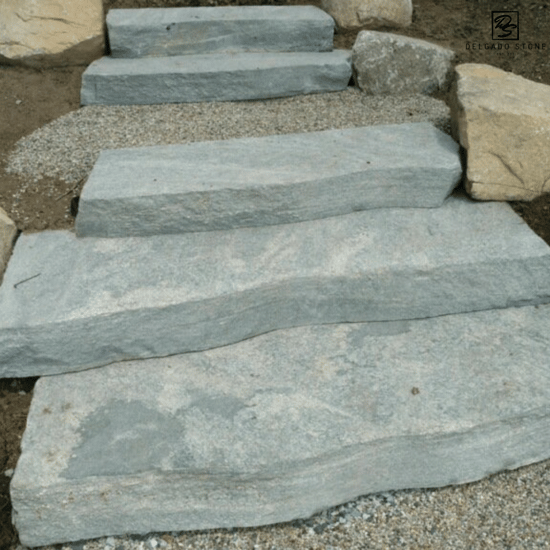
68, 147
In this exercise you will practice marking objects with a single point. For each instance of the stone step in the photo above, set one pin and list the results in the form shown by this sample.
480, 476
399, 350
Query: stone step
69, 304
265, 181
214, 77
182, 31
283, 425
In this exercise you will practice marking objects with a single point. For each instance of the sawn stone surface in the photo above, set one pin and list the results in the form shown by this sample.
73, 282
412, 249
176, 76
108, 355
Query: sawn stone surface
503, 122
69, 304
386, 63
214, 77
283, 425
268, 180
180, 31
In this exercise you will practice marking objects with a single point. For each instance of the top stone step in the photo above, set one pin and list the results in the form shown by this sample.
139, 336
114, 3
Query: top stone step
161, 32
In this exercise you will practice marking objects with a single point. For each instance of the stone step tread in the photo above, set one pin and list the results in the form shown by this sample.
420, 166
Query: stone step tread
186, 31
69, 304
264, 181
241, 435
214, 77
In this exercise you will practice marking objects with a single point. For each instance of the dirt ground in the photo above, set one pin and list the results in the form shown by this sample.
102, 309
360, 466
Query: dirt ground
30, 98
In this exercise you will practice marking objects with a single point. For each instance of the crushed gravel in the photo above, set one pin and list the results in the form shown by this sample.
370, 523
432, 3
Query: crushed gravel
68, 147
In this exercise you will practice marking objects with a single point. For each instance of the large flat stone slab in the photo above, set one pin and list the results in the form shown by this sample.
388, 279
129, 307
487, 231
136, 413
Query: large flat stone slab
214, 77
69, 304
283, 425
181, 31
264, 181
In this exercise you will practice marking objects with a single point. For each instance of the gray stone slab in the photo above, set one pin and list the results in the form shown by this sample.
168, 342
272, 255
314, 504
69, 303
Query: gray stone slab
283, 425
214, 77
69, 304
183, 31
264, 181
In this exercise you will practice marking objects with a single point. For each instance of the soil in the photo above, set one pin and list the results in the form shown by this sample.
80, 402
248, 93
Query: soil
31, 98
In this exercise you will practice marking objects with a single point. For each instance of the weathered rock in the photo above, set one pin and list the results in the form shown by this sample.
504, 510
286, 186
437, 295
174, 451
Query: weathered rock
503, 122
179, 31
69, 304
7, 236
214, 77
375, 13
242, 435
265, 181
50, 33
386, 63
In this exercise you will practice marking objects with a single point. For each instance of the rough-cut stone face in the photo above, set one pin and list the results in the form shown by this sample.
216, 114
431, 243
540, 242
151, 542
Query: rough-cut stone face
243, 434
252, 182
503, 122
358, 13
49, 33
386, 63
214, 77
7, 235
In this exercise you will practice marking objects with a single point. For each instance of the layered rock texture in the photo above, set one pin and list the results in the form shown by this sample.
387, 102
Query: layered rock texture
51, 33
503, 122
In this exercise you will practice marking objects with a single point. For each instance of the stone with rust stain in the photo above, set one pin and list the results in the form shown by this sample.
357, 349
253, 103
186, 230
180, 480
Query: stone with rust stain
372, 13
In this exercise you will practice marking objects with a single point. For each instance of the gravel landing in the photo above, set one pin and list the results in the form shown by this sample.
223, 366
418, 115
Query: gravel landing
68, 147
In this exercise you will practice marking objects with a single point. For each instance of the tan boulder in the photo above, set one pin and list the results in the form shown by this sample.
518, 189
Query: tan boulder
7, 235
51, 33
349, 14
503, 122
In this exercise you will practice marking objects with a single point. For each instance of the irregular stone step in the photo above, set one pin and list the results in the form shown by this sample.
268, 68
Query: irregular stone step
283, 425
183, 31
69, 304
264, 181
213, 77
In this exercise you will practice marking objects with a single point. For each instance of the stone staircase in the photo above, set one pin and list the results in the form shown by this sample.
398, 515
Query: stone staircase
276, 325
175, 55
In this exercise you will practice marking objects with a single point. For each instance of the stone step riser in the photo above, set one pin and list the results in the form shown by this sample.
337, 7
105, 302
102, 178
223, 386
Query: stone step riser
213, 77
186, 31
69, 304
266, 181
242, 435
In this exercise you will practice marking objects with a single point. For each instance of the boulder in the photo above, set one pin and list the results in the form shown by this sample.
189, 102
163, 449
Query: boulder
7, 236
503, 122
377, 13
50, 33
386, 63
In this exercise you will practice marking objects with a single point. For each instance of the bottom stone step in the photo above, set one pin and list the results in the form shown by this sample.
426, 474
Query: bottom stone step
279, 426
